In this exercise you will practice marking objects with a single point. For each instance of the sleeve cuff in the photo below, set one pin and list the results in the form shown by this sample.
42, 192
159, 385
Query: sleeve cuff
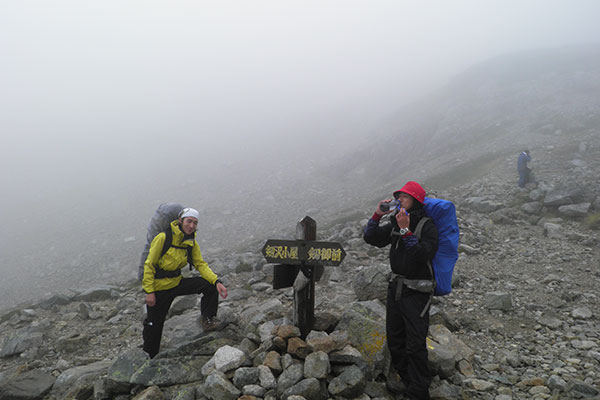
376, 217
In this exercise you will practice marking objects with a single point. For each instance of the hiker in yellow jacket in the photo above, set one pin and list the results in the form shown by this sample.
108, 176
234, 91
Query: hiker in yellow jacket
163, 282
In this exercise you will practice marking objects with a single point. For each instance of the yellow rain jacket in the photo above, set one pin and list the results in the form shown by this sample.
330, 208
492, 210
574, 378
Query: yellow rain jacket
173, 259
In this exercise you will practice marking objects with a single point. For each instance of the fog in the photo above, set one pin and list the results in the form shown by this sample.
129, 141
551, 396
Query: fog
109, 108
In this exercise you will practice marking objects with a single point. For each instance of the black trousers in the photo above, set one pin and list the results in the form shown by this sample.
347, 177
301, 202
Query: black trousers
154, 322
407, 339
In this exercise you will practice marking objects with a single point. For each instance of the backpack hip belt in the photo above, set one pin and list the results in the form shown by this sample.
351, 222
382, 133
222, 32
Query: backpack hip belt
420, 285
161, 273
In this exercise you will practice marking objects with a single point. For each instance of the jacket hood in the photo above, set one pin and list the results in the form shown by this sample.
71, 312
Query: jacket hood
414, 189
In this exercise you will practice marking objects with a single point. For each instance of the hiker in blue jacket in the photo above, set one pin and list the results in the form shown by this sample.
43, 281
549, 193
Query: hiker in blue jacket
407, 309
524, 171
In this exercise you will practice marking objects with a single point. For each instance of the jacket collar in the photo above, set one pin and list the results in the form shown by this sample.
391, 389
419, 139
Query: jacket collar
179, 238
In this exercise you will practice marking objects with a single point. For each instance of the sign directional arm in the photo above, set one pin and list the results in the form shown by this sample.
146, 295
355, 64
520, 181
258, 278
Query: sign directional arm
307, 252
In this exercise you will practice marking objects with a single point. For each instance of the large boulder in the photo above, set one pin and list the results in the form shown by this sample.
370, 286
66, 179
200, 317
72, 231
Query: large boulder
371, 282
559, 197
482, 204
553, 231
75, 382
498, 301
30, 385
122, 369
442, 335
575, 210
21, 340
168, 372
349, 383
218, 387
533, 208
441, 359
365, 323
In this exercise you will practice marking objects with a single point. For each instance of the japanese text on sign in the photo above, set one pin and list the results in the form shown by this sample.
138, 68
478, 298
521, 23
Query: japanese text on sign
324, 254
281, 252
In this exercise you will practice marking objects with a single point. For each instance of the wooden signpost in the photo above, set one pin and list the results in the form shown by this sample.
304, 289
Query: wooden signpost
306, 255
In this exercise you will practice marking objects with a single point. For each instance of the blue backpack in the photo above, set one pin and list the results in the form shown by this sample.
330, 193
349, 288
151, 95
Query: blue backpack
443, 214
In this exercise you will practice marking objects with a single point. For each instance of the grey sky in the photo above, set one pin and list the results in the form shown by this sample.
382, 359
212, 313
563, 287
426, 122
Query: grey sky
109, 87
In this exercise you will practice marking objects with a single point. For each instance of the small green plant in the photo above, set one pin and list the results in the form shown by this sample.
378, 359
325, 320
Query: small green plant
593, 221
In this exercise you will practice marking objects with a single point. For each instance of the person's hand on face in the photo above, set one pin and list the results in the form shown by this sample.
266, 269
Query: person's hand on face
403, 218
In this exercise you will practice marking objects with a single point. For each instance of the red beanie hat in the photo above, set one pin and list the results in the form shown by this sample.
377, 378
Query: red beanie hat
414, 189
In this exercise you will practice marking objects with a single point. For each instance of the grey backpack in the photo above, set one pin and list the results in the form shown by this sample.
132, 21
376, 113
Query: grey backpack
160, 222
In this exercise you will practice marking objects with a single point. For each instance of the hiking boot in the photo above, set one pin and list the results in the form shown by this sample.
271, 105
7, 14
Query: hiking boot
212, 324
395, 384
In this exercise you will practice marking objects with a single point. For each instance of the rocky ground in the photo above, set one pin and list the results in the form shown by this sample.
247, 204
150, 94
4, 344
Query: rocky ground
520, 323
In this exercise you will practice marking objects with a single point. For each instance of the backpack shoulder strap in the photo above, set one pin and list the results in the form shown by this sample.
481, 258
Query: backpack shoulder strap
419, 227
168, 241
190, 258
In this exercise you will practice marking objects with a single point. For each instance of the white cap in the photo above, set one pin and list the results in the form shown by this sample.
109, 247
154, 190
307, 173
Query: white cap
189, 212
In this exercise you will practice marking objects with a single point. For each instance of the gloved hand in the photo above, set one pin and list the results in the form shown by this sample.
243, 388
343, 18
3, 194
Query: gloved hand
410, 240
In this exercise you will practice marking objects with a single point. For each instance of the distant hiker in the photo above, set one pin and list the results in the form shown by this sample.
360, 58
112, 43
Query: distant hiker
524, 171
407, 309
163, 282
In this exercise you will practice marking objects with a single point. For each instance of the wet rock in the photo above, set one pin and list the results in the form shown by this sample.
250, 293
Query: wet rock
326, 344
218, 387
183, 304
266, 377
582, 313
441, 359
150, 393
98, 293
79, 380
309, 388
20, 341
289, 378
534, 208
245, 376
464, 248
124, 367
298, 347
553, 231
581, 389
445, 391
371, 282
73, 343
254, 390
167, 372
441, 335
349, 384
498, 301
227, 358
575, 210
55, 300
29, 385
365, 324
555, 198
288, 331
482, 204
273, 362
317, 365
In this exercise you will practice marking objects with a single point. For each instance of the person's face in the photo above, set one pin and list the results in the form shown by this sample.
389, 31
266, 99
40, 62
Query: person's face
406, 200
189, 225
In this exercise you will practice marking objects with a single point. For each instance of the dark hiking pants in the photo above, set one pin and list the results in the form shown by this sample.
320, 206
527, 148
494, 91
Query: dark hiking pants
406, 339
154, 322
524, 177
